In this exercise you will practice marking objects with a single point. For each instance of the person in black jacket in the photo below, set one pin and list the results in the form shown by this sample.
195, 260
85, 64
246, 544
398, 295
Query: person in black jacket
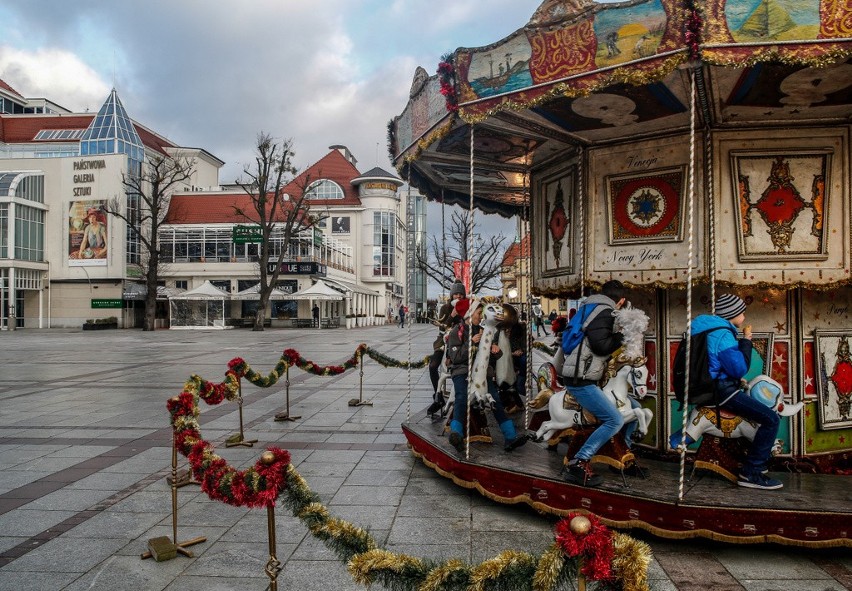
584, 367
445, 320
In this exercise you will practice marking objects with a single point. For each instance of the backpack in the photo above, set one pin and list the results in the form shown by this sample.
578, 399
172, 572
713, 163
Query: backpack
702, 386
575, 331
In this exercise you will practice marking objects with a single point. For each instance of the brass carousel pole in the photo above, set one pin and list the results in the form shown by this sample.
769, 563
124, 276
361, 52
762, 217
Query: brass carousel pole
285, 416
240, 438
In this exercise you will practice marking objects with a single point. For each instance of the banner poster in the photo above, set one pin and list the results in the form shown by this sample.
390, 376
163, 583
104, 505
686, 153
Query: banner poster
88, 245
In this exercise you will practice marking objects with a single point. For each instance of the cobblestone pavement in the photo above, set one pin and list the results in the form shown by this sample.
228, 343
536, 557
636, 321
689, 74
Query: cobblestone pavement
85, 448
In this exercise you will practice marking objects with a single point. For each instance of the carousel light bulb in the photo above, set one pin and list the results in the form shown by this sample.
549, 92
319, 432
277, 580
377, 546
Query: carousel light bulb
513, 293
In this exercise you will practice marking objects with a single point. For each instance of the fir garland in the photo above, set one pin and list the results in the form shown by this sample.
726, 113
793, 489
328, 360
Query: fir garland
386, 361
447, 75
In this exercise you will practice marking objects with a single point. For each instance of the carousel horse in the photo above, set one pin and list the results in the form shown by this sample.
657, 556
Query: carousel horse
492, 314
703, 420
626, 374
626, 377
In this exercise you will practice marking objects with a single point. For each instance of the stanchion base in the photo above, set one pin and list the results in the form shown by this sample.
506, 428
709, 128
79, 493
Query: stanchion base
165, 544
241, 443
184, 477
285, 416
358, 402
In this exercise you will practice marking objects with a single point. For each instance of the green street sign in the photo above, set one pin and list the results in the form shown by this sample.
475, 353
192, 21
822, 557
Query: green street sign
106, 303
247, 234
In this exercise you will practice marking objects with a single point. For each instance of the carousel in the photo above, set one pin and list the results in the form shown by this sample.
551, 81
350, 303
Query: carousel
687, 149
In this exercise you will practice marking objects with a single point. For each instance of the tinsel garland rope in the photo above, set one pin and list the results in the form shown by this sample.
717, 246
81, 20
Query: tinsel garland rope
511, 569
387, 361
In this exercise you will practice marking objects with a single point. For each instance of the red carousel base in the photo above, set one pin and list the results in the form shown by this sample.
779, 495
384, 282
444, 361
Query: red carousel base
811, 510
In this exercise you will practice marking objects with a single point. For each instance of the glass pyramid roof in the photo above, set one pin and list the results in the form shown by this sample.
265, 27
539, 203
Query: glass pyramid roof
112, 132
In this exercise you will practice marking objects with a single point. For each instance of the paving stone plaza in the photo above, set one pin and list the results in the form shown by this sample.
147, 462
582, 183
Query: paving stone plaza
85, 450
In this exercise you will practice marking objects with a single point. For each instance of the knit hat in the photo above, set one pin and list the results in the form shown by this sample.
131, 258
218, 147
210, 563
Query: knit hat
729, 306
457, 289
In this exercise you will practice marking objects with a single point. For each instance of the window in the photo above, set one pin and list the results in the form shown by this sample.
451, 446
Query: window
182, 284
29, 233
4, 230
324, 189
384, 238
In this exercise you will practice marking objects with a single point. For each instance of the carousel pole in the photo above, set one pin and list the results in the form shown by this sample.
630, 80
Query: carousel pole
525, 225
163, 548
690, 254
285, 416
470, 249
240, 439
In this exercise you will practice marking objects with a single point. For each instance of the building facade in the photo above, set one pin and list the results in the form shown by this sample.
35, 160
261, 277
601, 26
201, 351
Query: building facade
64, 260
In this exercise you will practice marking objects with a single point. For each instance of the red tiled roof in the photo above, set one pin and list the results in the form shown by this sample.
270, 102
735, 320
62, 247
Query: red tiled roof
18, 129
517, 250
333, 166
5, 86
23, 129
220, 208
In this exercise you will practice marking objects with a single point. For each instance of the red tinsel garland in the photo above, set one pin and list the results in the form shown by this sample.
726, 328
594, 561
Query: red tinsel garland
447, 73
293, 357
594, 547
257, 486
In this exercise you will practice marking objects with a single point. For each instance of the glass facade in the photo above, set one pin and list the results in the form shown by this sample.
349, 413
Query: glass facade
112, 132
384, 243
29, 233
4, 230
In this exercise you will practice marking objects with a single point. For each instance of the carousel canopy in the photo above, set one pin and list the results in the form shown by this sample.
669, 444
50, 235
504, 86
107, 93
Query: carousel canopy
581, 74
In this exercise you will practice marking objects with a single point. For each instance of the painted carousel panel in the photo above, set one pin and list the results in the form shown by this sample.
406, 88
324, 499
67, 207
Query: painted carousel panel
834, 378
646, 206
782, 200
555, 206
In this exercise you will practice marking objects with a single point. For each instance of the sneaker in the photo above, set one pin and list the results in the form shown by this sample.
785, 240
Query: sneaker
456, 441
581, 474
759, 480
515, 443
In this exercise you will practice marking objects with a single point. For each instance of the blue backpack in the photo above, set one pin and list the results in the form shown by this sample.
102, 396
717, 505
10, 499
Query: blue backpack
573, 334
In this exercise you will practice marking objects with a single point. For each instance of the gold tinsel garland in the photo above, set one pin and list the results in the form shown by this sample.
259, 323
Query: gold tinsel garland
630, 560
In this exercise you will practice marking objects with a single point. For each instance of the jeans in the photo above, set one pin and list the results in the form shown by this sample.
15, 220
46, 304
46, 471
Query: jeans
746, 407
460, 403
601, 405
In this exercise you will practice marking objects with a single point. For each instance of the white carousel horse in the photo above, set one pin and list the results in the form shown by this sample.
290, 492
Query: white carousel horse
492, 314
626, 376
702, 419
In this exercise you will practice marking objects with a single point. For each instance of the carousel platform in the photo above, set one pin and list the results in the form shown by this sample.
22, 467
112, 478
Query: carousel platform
813, 510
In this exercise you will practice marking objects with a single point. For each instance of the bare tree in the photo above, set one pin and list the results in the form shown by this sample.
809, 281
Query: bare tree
147, 202
487, 255
273, 211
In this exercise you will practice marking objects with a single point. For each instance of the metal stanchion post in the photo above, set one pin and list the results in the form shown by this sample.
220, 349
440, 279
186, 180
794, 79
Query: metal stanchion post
240, 439
163, 548
360, 400
273, 565
285, 416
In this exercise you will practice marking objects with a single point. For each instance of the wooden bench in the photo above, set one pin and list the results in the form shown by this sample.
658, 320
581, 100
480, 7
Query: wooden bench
302, 322
249, 322
330, 323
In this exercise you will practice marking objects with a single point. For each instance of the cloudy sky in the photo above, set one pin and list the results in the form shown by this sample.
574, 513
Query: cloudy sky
213, 73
